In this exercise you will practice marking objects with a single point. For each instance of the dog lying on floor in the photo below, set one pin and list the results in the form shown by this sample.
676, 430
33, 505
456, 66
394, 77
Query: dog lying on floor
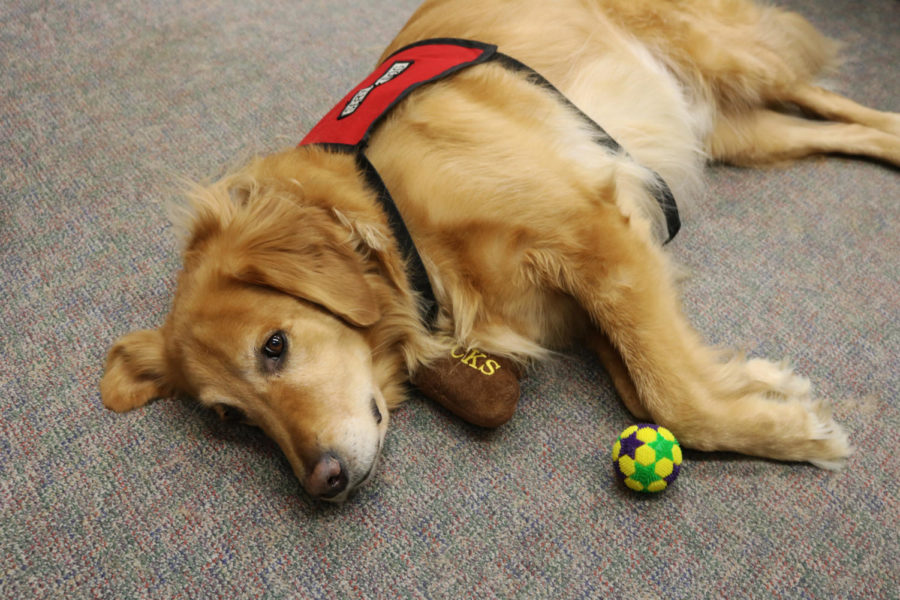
537, 229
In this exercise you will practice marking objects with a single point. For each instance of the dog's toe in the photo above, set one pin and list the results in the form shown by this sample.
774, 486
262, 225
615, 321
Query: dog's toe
779, 379
831, 445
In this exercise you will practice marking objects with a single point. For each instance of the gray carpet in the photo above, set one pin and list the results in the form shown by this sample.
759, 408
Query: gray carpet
104, 105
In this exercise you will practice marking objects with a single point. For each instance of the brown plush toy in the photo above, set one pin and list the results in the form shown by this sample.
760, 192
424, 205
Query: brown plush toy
475, 386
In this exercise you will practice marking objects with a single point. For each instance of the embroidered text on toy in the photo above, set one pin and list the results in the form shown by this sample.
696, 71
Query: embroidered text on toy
471, 357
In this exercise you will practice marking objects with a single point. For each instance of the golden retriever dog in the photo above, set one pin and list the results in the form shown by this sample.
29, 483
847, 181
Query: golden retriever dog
294, 310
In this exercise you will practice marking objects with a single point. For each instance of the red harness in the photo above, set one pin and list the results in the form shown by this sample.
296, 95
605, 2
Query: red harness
348, 126
352, 121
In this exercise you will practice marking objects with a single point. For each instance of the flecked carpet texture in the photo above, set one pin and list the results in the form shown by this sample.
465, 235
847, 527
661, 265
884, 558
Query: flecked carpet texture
104, 106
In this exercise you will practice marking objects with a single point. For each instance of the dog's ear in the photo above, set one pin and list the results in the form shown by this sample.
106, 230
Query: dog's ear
304, 252
135, 371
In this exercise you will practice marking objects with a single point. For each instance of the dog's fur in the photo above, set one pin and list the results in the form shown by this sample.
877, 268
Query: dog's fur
534, 236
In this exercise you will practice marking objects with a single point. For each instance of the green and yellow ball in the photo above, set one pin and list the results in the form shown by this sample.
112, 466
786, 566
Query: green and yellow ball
647, 457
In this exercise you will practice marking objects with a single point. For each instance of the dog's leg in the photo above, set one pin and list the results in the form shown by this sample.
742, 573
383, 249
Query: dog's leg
618, 372
709, 403
835, 107
766, 136
737, 377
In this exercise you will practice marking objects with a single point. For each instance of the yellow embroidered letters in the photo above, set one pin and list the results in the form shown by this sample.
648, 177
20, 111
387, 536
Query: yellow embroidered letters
475, 359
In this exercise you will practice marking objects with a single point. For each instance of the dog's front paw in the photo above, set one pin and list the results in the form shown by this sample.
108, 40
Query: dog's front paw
826, 445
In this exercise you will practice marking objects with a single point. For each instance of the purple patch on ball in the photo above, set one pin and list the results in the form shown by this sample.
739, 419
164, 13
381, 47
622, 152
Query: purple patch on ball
629, 445
673, 475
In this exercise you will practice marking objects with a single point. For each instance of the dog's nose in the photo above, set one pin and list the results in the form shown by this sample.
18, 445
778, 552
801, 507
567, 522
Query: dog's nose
328, 478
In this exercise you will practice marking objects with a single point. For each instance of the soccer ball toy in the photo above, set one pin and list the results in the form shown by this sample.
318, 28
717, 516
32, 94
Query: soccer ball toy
647, 457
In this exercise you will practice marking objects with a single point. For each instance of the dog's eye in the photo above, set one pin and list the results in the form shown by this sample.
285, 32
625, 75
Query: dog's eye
230, 413
275, 345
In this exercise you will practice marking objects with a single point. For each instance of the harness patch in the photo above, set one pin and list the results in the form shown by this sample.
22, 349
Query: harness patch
360, 96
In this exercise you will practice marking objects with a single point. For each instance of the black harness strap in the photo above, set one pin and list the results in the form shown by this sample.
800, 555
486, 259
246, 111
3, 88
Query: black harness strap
417, 274
661, 191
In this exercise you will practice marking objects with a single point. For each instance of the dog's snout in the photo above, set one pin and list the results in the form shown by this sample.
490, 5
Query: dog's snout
328, 477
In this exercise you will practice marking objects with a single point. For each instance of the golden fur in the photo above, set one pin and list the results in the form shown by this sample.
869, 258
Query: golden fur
534, 236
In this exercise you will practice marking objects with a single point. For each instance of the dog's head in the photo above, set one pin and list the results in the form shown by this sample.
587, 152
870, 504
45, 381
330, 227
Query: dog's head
270, 325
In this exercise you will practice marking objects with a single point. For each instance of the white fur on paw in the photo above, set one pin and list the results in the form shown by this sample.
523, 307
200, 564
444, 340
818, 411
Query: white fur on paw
779, 377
